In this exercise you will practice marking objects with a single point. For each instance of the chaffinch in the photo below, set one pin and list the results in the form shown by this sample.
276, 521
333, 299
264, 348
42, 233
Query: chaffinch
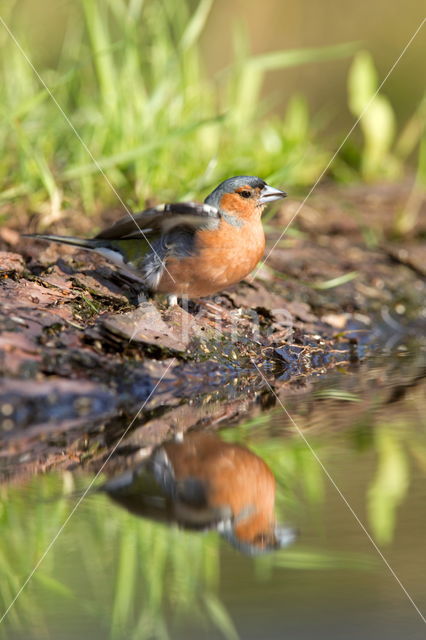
187, 248
202, 483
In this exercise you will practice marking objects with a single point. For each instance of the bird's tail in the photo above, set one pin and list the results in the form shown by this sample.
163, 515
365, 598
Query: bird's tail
120, 252
75, 242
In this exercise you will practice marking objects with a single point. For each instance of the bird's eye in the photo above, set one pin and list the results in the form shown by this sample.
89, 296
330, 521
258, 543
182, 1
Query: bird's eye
245, 194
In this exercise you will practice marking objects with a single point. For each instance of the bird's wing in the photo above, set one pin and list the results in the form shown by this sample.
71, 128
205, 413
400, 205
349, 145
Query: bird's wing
163, 219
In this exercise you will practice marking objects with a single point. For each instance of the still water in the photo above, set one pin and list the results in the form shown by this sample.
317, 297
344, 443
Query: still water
112, 574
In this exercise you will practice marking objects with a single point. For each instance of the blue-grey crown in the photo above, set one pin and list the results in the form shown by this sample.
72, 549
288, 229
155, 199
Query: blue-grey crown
229, 186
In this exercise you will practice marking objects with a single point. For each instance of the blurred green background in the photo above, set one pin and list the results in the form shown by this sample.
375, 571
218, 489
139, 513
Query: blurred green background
171, 97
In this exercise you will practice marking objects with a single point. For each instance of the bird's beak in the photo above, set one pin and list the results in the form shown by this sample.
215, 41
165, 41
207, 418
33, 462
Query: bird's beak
284, 536
269, 194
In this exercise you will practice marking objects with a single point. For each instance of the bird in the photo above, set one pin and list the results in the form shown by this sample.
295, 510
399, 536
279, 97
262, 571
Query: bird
189, 249
202, 483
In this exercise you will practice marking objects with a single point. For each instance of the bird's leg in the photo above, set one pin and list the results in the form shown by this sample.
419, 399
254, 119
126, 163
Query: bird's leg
172, 300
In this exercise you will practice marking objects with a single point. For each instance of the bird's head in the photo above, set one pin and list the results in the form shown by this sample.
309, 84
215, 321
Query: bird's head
243, 196
271, 538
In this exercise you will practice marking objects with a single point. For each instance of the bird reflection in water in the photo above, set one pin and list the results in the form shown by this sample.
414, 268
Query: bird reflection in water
202, 483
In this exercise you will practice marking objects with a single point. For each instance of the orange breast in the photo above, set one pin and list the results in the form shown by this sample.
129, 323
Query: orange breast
222, 257
233, 476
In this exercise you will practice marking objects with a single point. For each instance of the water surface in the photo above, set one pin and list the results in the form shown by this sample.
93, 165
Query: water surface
111, 574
